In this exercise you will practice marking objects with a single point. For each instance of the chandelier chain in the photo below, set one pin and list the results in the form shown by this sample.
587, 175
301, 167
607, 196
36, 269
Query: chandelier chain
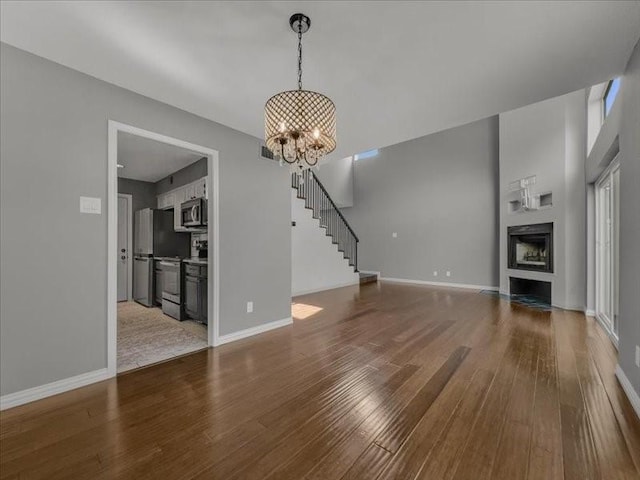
300, 56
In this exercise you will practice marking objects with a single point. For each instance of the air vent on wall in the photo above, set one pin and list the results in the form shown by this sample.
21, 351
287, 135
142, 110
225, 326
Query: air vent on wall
266, 153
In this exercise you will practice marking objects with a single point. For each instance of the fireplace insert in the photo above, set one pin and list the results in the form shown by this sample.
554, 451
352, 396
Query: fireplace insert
531, 247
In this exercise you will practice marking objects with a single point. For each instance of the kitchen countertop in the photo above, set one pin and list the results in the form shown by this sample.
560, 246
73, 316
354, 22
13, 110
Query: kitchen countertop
169, 259
197, 261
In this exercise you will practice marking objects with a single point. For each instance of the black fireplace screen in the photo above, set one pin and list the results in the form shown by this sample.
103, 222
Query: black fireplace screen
531, 247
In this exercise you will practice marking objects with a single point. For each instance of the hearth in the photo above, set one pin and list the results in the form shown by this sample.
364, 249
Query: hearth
531, 247
533, 292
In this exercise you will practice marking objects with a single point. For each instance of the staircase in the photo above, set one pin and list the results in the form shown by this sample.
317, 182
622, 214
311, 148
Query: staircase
310, 189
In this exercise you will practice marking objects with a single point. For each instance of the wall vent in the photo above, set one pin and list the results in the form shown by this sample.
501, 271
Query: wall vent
266, 153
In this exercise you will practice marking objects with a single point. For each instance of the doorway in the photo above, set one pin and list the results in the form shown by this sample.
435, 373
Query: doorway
125, 247
607, 189
127, 215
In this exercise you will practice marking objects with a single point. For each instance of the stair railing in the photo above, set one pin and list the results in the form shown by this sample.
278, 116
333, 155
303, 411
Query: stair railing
317, 199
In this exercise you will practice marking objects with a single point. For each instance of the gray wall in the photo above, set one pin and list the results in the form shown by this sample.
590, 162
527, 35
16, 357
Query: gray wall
188, 174
337, 177
53, 275
621, 133
630, 221
438, 193
143, 193
548, 140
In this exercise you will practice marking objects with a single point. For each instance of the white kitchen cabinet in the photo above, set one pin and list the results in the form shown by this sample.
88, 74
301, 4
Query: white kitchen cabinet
166, 200
190, 191
201, 188
179, 197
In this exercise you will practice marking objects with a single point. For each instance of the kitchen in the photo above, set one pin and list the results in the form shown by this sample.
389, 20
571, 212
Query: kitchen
162, 309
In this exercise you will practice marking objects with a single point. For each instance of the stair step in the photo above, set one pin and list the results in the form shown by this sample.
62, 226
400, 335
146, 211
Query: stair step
368, 278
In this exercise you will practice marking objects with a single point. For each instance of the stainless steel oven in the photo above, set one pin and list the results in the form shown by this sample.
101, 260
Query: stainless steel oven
194, 213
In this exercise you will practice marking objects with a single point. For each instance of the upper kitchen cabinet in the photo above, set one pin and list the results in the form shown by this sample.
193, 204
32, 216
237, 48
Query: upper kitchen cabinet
166, 200
201, 188
190, 191
180, 196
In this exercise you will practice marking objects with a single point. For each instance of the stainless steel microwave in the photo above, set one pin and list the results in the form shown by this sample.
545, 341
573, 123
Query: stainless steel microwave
193, 213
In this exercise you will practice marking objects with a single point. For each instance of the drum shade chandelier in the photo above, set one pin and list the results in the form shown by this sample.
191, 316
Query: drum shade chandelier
300, 125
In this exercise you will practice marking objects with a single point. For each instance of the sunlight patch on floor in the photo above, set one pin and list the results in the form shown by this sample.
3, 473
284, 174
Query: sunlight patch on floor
302, 311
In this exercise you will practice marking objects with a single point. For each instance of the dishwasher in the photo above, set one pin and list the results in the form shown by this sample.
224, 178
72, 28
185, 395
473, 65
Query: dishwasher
172, 289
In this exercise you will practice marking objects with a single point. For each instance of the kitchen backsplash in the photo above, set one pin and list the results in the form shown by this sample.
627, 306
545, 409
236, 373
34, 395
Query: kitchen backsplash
194, 238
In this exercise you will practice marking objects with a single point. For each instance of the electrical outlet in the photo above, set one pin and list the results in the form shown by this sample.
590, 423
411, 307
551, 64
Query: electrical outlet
249, 307
435, 273
638, 356
448, 273
394, 235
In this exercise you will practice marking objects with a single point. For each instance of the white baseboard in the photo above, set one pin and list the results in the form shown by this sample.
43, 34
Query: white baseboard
439, 284
574, 308
250, 332
36, 393
322, 289
589, 313
605, 328
632, 395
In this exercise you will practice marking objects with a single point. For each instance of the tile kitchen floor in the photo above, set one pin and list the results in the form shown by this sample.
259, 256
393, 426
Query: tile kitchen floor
146, 336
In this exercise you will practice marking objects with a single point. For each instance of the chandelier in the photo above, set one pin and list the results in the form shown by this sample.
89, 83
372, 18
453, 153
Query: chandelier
300, 125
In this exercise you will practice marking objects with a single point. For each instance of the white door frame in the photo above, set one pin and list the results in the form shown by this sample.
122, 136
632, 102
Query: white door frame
608, 324
129, 198
213, 291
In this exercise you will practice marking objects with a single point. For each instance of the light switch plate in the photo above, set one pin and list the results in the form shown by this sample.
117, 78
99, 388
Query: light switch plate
91, 205
249, 307
394, 235
448, 273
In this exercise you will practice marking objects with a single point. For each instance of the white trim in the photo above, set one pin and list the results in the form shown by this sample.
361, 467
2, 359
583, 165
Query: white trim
112, 240
322, 289
607, 330
36, 393
573, 308
589, 313
129, 198
250, 332
440, 284
632, 395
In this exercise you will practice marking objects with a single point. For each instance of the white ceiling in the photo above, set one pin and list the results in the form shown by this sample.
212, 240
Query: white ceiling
396, 70
148, 160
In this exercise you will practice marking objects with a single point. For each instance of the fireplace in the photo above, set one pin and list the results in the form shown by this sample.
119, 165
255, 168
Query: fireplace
531, 247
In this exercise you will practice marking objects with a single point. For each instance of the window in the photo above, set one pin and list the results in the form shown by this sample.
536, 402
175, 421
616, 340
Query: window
367, 154
610, 95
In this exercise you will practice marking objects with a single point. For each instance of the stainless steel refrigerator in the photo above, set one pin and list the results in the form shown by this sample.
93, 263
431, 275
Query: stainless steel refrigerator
154, 236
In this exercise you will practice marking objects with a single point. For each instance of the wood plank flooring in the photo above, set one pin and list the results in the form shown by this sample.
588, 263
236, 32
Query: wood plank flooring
380, 381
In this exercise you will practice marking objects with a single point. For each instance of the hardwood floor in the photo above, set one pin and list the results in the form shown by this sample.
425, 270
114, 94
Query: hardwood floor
380, 381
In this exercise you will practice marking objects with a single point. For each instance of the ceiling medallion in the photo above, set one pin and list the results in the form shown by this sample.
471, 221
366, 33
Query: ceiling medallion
300, 125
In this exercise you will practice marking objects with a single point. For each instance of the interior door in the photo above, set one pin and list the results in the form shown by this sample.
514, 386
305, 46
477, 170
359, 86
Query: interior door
123, 248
